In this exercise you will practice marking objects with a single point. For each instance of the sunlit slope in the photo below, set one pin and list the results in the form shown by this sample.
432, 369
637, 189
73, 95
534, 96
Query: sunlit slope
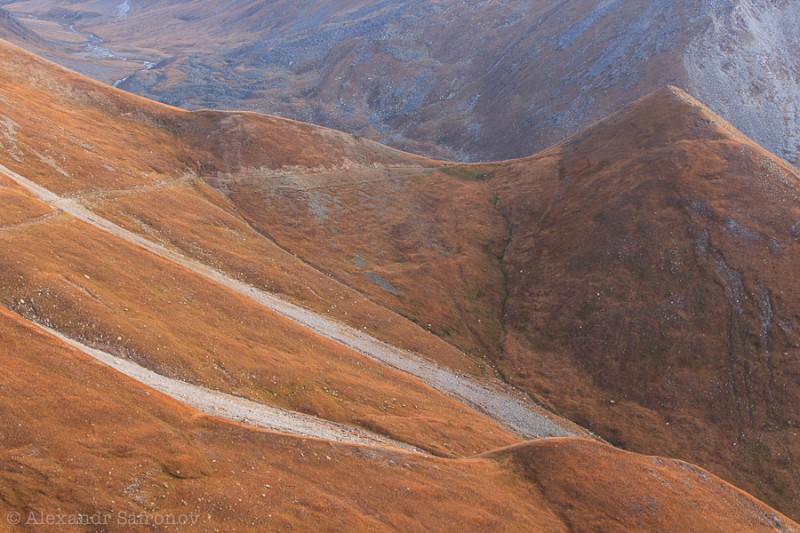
99, 289
78, 137
115, 448
427, 255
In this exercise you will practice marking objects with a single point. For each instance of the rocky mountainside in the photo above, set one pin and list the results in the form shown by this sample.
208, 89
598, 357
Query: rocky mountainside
126, 229
463, 80
12, 29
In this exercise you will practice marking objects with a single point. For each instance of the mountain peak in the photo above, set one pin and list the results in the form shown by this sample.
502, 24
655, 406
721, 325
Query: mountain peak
663, 117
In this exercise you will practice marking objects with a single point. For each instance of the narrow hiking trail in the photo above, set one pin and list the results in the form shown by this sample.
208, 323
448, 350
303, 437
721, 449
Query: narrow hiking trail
500, 402
235, 408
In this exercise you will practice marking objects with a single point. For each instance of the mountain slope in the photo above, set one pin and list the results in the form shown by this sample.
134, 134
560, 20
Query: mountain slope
630, 278
12, 29
155, 169
525, 75
652, 293
125, 456
97, 288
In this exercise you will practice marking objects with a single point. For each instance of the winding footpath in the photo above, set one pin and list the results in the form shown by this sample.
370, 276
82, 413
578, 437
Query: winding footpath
506, 406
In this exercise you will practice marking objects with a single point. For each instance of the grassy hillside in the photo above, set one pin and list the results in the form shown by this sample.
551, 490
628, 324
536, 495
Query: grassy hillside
475, 267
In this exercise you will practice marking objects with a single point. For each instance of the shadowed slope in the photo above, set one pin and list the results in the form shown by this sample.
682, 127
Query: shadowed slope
10, 28
653, 293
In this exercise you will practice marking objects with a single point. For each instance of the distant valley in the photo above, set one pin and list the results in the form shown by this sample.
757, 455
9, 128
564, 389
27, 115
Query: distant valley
470, 81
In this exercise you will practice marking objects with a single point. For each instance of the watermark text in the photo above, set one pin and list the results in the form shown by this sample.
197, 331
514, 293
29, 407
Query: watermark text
122, 518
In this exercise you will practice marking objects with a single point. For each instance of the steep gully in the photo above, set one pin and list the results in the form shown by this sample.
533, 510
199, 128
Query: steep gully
509, 408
